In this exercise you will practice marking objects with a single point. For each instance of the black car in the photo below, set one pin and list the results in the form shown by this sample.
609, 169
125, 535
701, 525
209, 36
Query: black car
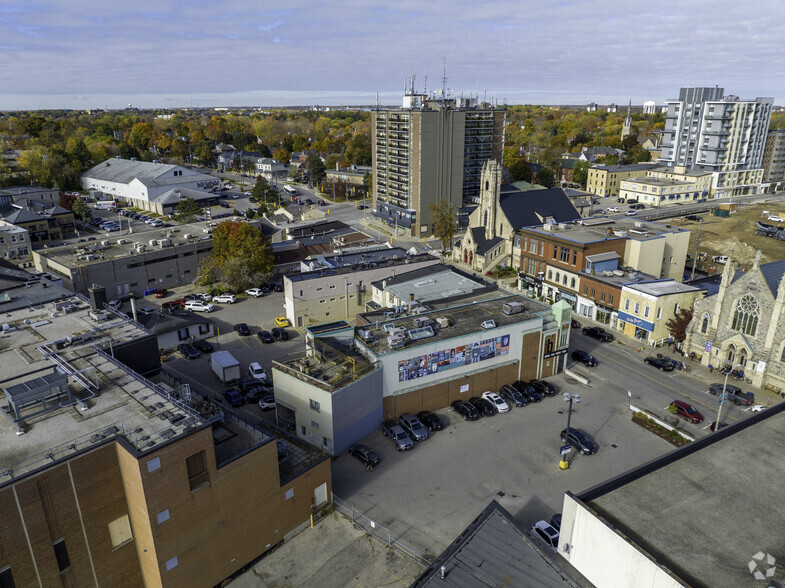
484, 407
234, 397
430, 420
280, 334
256, 393
248, 383
585, 358
527, 390
693, 217
188, 351
574, 324
736, 395
265, 336
579, 440
543, 387
365, 454
661, 363
466, 410
266, 288
203, 346
277, 288
513, 396
598, 333
242, 329
637, 207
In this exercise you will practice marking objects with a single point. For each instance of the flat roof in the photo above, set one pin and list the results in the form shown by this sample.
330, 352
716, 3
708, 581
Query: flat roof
386, 261
108, 399
654, 181
464, 317
432, 283
618, 278
662, 288
595, 229
705, 509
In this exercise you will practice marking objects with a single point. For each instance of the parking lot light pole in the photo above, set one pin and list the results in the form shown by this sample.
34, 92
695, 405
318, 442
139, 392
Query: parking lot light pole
567, 397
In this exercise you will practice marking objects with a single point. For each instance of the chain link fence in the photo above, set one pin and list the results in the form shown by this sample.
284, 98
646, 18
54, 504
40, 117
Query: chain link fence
381, 533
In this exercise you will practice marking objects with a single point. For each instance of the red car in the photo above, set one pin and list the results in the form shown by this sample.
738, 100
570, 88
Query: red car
686, 411
174, 305
160, 293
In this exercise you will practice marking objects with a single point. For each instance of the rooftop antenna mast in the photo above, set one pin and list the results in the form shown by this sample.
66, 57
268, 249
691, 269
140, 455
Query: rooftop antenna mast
444, 80
425, 86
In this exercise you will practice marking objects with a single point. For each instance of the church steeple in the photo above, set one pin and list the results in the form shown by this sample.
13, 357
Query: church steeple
627, 128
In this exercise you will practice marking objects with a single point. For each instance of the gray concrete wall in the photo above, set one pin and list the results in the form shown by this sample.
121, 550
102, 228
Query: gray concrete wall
357, 411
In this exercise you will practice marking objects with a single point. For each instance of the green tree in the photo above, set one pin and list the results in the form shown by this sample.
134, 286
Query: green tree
368, 181
316, 168
545, 177
241, 256
282, 155
263, 192
332, 160
629, 142
203, 153
81, 210
520, 170
580, 173
445, 221
358, 150
186, 211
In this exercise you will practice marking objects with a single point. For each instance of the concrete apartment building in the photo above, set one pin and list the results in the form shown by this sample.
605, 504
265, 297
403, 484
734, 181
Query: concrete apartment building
337, 287
774, 159
109, 479
554, 256
140, 183
646, 308
605, 180
348, 380
431, 148
704, 129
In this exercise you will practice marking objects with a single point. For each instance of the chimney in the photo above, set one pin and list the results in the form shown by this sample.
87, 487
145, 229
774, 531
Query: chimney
97, 297
411, 297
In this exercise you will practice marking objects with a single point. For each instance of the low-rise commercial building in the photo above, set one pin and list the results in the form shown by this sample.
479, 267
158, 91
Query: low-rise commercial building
14, 241
426, 286
47, 197
605, 180
655, 192
601, 288
44, 225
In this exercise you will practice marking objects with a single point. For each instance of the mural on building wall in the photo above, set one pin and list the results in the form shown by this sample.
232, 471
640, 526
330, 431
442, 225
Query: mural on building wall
440, 361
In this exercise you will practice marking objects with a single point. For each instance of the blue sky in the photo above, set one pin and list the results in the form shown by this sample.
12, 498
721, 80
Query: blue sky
163, 53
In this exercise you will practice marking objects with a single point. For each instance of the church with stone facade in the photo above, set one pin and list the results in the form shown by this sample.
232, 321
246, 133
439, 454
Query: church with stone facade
490, 239
743, 324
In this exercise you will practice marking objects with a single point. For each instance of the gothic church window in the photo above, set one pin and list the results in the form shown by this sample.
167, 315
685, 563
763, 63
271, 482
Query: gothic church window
745, 316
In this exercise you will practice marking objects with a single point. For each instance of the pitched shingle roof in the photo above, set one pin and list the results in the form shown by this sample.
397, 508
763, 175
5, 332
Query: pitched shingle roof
526, 209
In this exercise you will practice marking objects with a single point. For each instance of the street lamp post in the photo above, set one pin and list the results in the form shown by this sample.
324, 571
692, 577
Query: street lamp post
567, 397
724, 395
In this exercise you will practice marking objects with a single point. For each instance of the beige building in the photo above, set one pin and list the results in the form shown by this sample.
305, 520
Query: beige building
605, 180
14, 241
646, 307
656, 192
656, 249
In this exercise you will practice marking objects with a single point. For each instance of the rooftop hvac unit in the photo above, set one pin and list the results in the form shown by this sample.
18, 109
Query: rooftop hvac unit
396, 341
365, 334
164, 242
512, 307
90, 257
187, 236
419, 310
618, 273
443, 321
122, 241
105, 243
421, 321
397, 331
152, 242
140, 248
98, 316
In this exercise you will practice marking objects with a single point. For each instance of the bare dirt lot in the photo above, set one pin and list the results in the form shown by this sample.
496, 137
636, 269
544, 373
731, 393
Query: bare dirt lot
719, 234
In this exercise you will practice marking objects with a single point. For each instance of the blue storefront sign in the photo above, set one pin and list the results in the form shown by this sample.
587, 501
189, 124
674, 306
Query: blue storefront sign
634, 320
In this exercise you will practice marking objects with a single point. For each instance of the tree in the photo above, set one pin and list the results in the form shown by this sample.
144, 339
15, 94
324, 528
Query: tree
580, 173
263, 193
545, 177
316, 168
629, 142
241, 256
445, 221
203, 153
358, 150
186, 211
332, 160
81, 210
282, 155
520, 170
368, 181
66, 201
677, 325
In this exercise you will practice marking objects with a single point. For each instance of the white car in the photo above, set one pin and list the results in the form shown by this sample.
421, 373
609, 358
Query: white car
228, 298
254, 292
204, 296
776, 218
612, 209
498, 402
256, 371
547, 534
631, 213
198, 306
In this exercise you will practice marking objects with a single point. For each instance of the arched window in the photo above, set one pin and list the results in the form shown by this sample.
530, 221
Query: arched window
558, 277
550, 274
487, 184
564, 279
705, 323
745, 317
572, 283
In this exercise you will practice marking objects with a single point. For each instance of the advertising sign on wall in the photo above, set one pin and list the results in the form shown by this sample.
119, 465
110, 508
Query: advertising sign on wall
441, 361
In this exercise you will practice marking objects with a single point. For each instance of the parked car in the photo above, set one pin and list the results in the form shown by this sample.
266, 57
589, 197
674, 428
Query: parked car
484, 407
197, 306
574, 324
233, 396
430, 420
661, 363
527, 390
638, 206
693, 217
173, 305
775, 218
466, 410
265, 336
204, 296
412, 425
242, 329
365, 454
282, 321
277, 287
736, 395
279, 334
247, 384
543, 387
267, 402
598, 333
203, 346
686, 411
161, 292
395, 432
513, 396
612, 209
189, 351
585, 358
256, 393
256, 371
225, 298
254, 292
579, 440
631, 213
497, 401
189, 297
547, 534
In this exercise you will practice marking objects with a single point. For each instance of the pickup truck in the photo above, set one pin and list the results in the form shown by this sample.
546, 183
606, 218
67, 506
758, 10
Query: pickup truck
395, 432
734, 394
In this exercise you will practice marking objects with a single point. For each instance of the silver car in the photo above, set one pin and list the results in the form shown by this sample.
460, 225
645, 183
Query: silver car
398, 435
412, 425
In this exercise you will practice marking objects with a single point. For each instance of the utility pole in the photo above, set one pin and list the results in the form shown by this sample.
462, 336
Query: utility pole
697, 246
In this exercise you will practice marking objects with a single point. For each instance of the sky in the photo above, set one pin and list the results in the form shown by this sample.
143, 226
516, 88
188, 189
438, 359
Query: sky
205, 53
